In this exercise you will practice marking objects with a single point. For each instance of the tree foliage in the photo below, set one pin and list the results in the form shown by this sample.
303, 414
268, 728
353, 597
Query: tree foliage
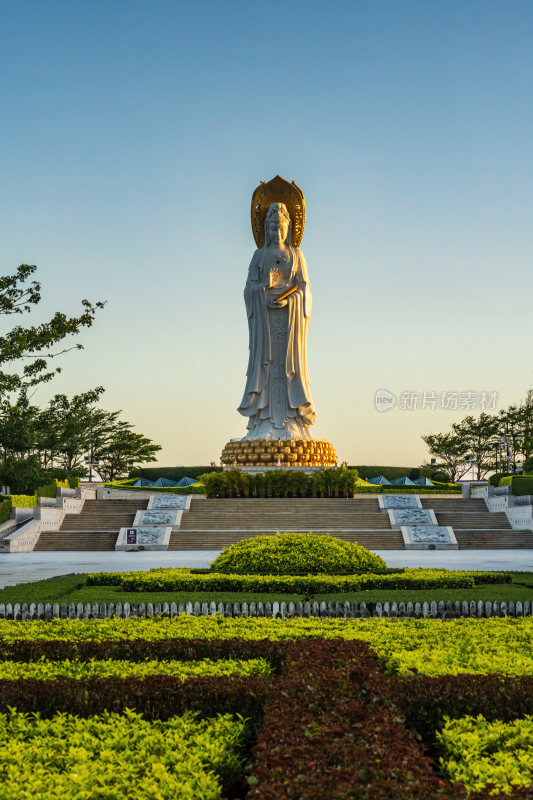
27, 353
64, 437
489, 442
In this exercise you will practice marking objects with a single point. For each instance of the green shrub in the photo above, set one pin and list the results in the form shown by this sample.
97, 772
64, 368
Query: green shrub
430, 646
478, 752
119, 755
450, 488
391, 473
45, 669
333, 482
195, 488
5, 509
302, 553
507, 481
23, 500
522, 484
170, 580
171, 473
48, 490
494, 480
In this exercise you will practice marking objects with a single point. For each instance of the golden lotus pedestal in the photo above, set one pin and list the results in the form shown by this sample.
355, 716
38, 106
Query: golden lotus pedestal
284, 453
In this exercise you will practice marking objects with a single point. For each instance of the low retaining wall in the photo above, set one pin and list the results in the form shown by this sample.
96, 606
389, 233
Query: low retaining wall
47, 516
483, 609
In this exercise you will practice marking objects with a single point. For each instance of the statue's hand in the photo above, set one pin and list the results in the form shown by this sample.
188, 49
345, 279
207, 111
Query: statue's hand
275, 304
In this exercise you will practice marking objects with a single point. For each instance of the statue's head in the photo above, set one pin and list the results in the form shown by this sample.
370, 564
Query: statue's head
277, 223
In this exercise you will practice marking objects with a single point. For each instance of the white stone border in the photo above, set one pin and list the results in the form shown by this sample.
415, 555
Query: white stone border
122, 537
397, 525
381, 501
409, 545
186, 508
138, 522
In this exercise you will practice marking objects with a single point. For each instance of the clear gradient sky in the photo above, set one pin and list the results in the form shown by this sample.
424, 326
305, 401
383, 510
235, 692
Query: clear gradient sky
132, 135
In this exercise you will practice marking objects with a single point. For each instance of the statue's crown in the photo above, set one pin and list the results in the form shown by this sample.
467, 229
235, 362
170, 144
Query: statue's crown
278, 190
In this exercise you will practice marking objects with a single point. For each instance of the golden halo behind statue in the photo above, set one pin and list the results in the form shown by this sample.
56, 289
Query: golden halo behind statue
278, 190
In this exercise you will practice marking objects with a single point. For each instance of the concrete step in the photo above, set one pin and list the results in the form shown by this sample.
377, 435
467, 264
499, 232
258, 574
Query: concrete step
53, 540
486, 521
439, 503
494, 539
215, 540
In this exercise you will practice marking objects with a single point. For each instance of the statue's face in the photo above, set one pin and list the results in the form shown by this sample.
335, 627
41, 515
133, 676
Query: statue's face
277, 222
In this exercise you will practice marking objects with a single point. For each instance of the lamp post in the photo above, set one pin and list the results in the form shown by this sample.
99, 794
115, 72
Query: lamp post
91, 462
505, 444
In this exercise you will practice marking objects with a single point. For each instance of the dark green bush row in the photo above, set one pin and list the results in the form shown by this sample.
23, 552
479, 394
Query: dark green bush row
281, 483
329, 724
286, 584
156, 697
154, 489
522, 484
427, 699
171, 473
494, 480
450, 489
332, 730
392, 473
5, 509
144, 650
50, 489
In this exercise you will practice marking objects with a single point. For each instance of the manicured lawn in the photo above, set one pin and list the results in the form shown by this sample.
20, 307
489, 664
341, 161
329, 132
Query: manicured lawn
73, 589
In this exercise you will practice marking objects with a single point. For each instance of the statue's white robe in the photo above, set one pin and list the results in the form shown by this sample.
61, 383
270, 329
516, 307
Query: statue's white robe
257, 402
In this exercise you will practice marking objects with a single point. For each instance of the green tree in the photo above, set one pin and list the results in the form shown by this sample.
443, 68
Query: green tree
34, 345
17, 428
451, 450
123, 450
477, 434
68, 429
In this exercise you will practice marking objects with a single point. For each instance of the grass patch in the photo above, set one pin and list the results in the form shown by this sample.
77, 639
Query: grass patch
74, 589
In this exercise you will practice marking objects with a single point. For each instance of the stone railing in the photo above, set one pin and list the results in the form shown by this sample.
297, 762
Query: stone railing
47, 516
483, 609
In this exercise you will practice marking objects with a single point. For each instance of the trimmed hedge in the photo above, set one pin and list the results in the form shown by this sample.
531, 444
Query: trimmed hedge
5, 509
171, 473
479, 753
303, 553
333, 482
155, 697
110, 668
23, 500
114, 756
494, 480
144, 650
393, 578
426, 699
522, 484
329, 725
331, 730
449, 489
392, 473
286, 584
193, 489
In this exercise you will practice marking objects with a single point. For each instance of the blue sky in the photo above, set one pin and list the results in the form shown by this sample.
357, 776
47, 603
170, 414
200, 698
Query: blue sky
133, 134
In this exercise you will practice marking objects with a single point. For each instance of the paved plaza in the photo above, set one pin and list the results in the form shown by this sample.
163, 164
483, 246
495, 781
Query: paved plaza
27, 567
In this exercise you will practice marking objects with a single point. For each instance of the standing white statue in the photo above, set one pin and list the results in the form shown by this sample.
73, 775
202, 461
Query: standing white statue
277, 398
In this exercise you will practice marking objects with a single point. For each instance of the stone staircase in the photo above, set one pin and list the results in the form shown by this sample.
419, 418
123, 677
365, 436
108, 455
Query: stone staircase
475, 527
95, 528
212, 524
